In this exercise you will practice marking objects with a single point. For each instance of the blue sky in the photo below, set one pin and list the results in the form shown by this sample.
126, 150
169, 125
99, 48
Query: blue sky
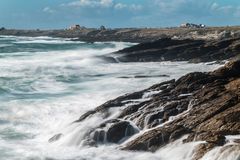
48, 14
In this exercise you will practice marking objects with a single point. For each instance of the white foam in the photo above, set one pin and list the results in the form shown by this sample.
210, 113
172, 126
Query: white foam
5, 45
231, 138
46, 91
60, 41
223, 153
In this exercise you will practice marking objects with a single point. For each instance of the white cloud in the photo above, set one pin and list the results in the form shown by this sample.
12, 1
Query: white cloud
90, 3
231, 10
106, 3
227, 9
131, 7
237, 13
170, 5
103, 4
135, 7
214, 6
48, 10
120, 6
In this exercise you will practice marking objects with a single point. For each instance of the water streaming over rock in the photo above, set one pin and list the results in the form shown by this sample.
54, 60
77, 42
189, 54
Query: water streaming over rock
47, 83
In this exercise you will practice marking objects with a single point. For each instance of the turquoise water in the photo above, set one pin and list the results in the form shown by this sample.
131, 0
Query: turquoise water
46, 83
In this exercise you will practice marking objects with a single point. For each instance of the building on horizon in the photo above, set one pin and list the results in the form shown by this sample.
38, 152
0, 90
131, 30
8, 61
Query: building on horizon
75, 27
192, 25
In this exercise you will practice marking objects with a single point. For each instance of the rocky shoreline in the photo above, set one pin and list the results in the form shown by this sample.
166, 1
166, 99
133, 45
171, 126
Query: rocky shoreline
198, 107
201, 107
167, 44
136, 35
191, 50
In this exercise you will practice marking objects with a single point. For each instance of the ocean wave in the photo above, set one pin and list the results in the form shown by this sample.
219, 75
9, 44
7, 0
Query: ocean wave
45, 41
46, 90
5, 45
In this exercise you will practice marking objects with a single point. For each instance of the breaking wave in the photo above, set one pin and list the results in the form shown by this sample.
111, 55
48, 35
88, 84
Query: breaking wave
47, 83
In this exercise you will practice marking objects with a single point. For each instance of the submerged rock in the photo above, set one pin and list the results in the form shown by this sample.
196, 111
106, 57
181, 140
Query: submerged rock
55, 138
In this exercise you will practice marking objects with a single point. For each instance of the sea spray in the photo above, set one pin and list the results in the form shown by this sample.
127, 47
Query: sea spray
47, 83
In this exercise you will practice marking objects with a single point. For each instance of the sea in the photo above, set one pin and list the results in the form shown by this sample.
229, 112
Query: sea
47, 83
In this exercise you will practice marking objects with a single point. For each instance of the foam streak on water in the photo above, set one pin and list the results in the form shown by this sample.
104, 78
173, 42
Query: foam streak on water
46, 83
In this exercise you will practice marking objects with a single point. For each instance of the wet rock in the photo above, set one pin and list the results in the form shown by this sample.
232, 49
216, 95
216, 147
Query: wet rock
119, 131
210, 137
108, 59
55, 138
195, 51
223, 152
231, 69
99, 136
214, 115
202, 106
202, 149
236, 141
112, 131
144, 76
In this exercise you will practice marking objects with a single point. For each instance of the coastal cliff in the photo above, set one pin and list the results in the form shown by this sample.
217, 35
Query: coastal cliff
198, 107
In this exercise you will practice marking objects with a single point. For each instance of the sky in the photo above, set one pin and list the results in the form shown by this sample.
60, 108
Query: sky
58, 14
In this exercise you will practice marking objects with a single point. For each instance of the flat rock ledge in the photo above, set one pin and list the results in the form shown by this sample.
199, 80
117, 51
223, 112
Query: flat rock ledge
167, 49
198, 106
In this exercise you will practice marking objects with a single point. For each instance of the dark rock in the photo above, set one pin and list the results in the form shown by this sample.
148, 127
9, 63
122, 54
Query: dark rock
237, 141
194, 51
99, 136
108, 59
111, 131
201, 106
214, 115
202, 149
231, 69
55, 138
144, 76
210, 137
119, 131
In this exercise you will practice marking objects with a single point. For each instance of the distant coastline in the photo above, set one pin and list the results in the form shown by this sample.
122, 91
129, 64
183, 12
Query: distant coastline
136, 35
